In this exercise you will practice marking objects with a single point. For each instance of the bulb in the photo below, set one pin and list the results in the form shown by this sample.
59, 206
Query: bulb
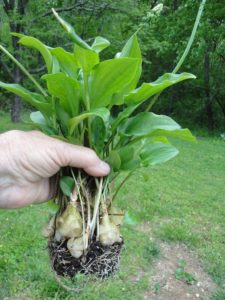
76, 246
69, 224
108, 232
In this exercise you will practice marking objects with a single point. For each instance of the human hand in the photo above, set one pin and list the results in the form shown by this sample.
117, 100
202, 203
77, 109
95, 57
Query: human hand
29, 159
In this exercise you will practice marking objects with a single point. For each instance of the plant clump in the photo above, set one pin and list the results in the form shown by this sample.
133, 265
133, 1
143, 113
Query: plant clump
95, 103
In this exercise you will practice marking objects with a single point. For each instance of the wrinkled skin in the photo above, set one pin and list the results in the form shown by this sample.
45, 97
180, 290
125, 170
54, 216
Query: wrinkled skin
28, 160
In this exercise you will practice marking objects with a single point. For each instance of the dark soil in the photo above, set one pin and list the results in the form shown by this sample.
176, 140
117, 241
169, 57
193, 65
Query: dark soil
100, 261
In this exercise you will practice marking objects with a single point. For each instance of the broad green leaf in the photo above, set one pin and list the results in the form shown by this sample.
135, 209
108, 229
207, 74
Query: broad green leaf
67, 62
66, 89
157, 153
66, 184
32, 42
146, 90
34, 99
145, 152
145, 123
130, 50
86, 58
100, 44
183, 134
71, 32
110, 77
102, 112
114, 160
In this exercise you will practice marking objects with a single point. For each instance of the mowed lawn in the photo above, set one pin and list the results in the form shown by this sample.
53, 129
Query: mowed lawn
182, 200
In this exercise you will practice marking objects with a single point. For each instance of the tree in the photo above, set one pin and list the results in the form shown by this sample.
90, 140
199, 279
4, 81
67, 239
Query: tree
15, 11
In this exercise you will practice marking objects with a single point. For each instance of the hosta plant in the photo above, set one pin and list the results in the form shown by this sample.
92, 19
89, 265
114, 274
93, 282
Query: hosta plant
86, 101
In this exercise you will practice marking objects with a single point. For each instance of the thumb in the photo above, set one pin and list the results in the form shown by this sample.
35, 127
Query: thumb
81, 157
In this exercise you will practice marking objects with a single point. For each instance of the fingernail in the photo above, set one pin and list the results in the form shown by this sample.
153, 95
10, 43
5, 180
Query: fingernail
104, 167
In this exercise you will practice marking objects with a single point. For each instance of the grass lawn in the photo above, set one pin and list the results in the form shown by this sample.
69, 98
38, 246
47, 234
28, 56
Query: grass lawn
183, 201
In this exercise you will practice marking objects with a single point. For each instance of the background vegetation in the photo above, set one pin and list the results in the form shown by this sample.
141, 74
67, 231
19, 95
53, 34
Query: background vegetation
199, 104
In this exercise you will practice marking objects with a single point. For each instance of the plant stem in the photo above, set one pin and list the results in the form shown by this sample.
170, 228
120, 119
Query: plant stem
82, 209
54, 113
121, 184
96, 206
23, 70
186, 51
87, 105
191, 39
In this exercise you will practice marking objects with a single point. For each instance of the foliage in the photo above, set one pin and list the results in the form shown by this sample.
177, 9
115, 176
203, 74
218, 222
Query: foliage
81, 92
162, 37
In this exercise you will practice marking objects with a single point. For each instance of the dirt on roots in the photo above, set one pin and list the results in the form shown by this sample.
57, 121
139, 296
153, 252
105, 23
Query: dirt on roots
99, 261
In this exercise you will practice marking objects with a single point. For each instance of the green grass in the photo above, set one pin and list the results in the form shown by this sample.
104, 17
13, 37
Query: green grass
6, 124
184, 201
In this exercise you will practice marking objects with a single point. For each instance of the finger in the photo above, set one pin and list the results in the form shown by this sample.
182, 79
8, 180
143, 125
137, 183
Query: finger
81, 157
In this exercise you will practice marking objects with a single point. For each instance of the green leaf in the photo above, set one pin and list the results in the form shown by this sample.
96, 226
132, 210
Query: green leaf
71, 32
114, 160
38, 118
66, 89
183, 134
129, 158
131, 48
41, 123
66, 184
34, 99
86, 58
147, 90
145, 152
55, 65
157, 153
62, 117
145, 123
98, 134
110, 77
102, 112
100, 44
32, 42
67, 62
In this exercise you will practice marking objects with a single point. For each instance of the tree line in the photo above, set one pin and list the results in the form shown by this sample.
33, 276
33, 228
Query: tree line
163, 37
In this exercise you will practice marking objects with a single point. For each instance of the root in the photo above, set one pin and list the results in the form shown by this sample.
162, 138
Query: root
99, 261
